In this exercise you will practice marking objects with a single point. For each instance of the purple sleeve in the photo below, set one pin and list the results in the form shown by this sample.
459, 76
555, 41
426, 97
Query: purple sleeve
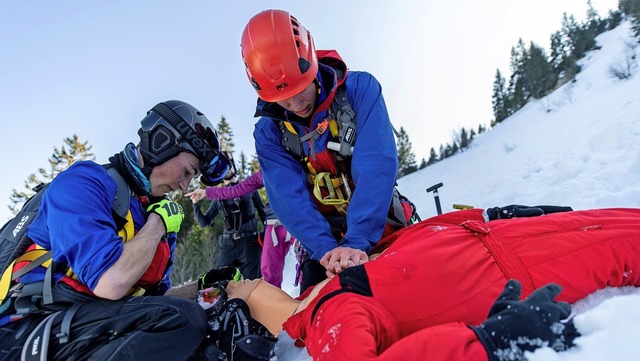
244, 187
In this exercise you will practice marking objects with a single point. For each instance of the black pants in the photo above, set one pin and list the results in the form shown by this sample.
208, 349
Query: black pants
243, 252
312, 274
135, 328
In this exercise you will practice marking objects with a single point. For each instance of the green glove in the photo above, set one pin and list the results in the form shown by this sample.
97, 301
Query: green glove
170, 212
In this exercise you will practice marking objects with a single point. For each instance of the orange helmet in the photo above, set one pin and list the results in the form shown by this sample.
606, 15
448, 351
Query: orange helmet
279, 55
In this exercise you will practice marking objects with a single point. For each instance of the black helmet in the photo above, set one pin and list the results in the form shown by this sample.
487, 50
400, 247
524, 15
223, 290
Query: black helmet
174, 126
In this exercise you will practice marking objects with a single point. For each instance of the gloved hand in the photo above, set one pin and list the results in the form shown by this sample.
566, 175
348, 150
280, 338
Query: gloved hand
514, 327
515, 211
226, 273
170, 212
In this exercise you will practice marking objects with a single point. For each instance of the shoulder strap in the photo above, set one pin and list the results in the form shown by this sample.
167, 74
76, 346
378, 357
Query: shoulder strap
291, 139
123, 193
346, 118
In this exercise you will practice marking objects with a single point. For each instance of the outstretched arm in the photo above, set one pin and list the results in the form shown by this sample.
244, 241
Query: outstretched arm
242, 188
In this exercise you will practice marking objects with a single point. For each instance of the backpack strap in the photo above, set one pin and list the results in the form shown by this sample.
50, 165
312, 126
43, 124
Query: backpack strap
123, 193
346, 118
37, 345
291, 140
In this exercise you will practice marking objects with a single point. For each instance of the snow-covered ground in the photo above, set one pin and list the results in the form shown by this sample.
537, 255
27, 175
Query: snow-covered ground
579, 146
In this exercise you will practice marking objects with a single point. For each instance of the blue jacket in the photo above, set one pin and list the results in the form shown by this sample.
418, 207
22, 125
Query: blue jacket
374, 166
75, 221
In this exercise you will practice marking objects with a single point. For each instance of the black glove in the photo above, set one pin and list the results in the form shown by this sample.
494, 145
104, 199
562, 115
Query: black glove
514, 327
226, 273
516, 210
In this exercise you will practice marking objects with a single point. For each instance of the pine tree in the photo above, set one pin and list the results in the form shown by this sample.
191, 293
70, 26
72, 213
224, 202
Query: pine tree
558, 53
423, 163
225, 135
62, 158
518, 94
243, 167
539, 75
441, 153
499, 99
448, 151
407, 160
433, 157
464, 139
255, 163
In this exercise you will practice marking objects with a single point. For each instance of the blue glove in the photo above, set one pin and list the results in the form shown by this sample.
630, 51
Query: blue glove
514, 327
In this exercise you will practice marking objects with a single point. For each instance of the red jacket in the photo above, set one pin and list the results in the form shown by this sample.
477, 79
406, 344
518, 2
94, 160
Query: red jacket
444, 273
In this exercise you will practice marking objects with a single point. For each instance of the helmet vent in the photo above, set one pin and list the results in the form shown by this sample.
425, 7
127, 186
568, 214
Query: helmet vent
160, 139
304, 65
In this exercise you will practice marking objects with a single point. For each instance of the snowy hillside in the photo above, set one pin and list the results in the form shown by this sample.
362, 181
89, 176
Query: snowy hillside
584, 152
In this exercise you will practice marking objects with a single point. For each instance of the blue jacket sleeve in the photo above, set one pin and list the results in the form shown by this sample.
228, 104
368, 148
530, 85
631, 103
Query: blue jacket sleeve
374, 165
75, 221
286, 185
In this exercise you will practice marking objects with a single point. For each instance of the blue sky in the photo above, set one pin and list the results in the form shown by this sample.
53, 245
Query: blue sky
94, 68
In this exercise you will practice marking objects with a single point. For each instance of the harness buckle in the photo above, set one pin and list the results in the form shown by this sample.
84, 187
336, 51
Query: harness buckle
336, 190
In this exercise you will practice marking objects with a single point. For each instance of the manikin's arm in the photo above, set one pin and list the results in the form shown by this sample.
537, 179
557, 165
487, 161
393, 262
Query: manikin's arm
269, 305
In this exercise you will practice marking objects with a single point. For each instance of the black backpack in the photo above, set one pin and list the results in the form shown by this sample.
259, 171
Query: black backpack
234, 335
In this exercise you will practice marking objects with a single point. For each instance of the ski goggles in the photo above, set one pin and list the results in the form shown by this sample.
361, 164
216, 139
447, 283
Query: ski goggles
214, 170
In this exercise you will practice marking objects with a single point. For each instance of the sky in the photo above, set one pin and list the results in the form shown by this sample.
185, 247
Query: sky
584, 153
93, 68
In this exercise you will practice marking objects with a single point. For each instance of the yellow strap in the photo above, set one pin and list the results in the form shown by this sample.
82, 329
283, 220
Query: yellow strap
127, 232
5, 282
336, 197
333, 127
290, 127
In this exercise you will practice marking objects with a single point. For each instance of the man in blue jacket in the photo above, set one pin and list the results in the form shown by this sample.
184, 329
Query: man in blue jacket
329, 173
109, 274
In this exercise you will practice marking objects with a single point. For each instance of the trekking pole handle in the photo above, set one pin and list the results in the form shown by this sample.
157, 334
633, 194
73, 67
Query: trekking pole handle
434, 188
